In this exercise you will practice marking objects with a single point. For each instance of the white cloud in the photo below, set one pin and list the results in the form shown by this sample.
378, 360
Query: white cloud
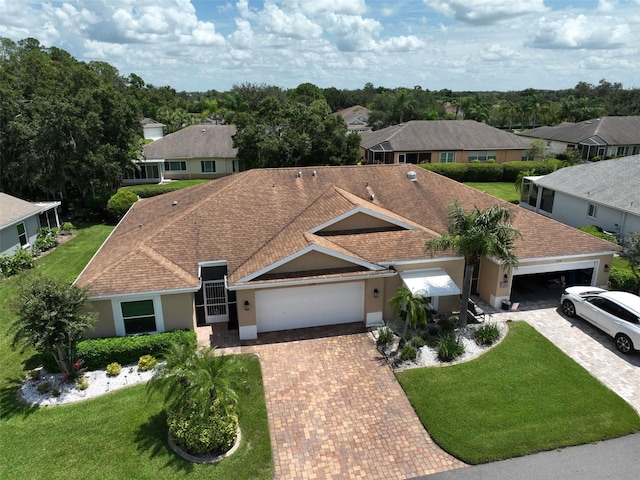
345, 7
483, 12
291, 24
495, 53
606, 6
353, 33
577, 32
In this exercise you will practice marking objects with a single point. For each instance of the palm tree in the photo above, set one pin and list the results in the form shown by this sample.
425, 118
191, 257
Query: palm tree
474, 235
413, 308
191, 377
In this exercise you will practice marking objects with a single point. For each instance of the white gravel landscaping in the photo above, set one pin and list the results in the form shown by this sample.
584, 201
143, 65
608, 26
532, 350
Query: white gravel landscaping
99, 384
428, 356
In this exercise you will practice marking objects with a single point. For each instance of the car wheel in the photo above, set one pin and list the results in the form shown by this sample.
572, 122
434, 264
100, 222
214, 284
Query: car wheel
569, 308
623, 343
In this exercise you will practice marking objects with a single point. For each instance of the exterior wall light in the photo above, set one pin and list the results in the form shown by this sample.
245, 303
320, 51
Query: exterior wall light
246, 304
376, 293
606, 268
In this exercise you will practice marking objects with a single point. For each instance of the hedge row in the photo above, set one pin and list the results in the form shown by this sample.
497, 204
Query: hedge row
100, 352
146, 191
623, 279
492, 172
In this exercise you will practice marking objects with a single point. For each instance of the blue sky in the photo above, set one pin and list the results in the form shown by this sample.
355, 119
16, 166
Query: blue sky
199, 45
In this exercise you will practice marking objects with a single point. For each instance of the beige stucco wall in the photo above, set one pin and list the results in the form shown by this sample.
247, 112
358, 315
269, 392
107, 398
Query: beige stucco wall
178, 311
246, 318
461, 156
104, 326
224, 166
312, 261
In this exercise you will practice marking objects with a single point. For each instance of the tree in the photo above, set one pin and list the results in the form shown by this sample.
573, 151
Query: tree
631, 253
200, 391
474, 235
52, 318
414, 309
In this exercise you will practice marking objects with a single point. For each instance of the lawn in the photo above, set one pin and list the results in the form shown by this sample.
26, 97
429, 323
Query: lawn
523, 396
119, 435
504, 190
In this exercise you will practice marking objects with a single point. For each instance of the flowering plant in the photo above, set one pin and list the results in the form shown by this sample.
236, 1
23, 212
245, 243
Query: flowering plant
77, 371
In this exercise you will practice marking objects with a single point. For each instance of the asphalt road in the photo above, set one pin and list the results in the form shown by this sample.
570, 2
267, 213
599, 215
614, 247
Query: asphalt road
618, 458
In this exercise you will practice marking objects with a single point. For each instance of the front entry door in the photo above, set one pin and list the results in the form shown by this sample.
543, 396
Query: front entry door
216, 302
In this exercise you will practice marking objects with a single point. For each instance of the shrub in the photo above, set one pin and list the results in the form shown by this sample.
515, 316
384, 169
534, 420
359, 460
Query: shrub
55, 392
146, 191
35, 374
598, 232
114, 369
121, 202
454, 171
82, 383
417, 341
385, 335
408, 352
212, 434
146, 362
44, 387
67, 227
47, 239
487, 334
99, 352
14, 264
449, 347
623, 279
448, 324
484, 172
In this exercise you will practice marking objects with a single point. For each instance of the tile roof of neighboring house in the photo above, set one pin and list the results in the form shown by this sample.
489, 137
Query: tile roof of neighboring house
612, 130
13, 209
608, 182
443, 135
195, 141
354, 115
257, 218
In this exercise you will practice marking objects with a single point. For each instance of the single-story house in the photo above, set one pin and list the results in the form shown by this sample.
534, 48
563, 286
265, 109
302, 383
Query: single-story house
20, 221
604, 137
197, 151
442, 141
602, 193
276, 249
356, 118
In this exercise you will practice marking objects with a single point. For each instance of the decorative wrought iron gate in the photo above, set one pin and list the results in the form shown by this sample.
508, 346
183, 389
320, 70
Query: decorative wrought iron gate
216, 302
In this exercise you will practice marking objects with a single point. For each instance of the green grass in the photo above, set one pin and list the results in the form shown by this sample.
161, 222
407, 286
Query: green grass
504, 190
123, 435
119, 435
523, 396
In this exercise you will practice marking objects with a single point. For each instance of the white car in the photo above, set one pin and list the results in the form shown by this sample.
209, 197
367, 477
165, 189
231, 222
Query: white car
615, 313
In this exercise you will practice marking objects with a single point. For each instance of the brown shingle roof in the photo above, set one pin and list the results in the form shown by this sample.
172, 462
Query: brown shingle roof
419, 135
195, 141
258, 217
622, 130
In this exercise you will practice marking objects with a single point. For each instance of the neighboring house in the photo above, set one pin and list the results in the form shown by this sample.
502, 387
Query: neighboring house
278, 249
441, 141
21, 220
197, 151
152, 130
602, 193
356, 118
604, 137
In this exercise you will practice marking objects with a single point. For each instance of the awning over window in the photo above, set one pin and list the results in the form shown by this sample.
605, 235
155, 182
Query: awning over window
432, 282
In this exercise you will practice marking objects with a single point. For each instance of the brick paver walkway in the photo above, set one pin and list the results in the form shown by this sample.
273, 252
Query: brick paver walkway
335, 408
336, 411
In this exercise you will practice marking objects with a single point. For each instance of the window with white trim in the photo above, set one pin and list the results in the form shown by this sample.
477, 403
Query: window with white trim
482, 156
208, 166
592, 212
447, 157
22, 235
139, 317
175, 166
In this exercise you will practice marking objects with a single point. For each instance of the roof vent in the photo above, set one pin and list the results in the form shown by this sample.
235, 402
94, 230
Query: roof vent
299, 174
174, 203
204, 130
411, 175
314, 173
371, 197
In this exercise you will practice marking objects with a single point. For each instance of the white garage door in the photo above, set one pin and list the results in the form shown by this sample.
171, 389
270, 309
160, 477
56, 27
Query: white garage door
312, 306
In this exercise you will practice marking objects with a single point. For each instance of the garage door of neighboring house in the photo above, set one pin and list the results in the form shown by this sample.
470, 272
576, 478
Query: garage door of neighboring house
309, 306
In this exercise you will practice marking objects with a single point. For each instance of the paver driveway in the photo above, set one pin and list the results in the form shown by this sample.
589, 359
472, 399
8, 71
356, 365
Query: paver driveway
336, 411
